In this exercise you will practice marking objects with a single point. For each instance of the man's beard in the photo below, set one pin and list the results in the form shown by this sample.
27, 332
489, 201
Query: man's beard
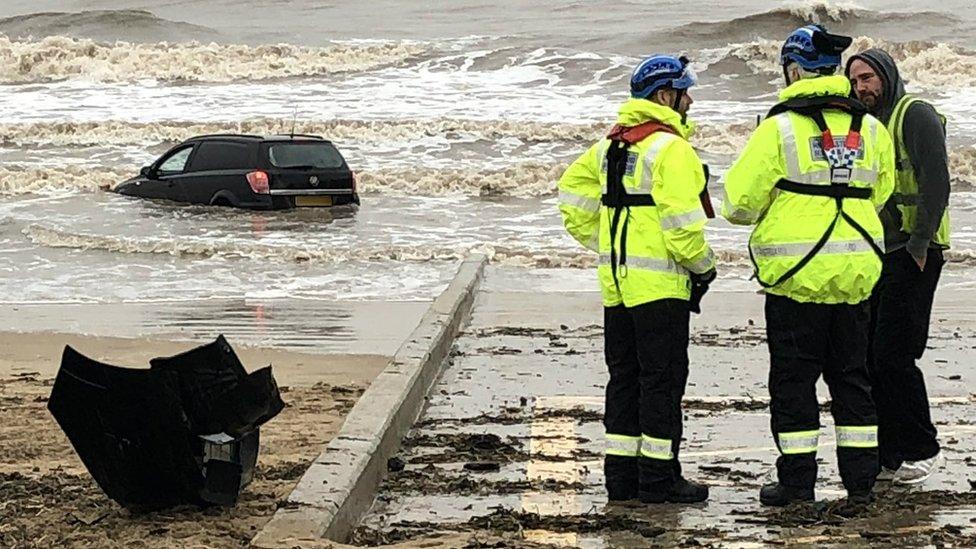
872, 101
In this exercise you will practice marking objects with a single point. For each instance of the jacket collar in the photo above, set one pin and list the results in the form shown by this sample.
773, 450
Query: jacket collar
813, 87
638, 111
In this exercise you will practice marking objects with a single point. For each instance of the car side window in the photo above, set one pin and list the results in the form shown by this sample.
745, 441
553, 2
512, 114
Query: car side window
176, 162
221, 155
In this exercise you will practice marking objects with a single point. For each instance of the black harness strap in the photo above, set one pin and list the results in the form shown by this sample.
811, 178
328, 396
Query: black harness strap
813, 107
809, 106
616, 168
832, 191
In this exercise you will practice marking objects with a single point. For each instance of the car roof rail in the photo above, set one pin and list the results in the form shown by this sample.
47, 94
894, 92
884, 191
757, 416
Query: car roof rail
230, 135
303, 135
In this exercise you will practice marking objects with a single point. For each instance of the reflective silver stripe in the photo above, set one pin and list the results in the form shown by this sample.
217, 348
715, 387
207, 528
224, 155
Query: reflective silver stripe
873, 124
798, 442
647, 173
803, 248
584, 203
681, 220
656, 448
602, 151
865, 436
602, 155
622, 445
788, 138
648, 264
704, 264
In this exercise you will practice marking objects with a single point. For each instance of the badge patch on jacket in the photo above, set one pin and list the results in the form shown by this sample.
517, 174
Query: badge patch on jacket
817, 152
631, 164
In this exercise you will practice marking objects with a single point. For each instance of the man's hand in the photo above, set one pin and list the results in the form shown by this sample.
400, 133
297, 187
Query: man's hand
699, 287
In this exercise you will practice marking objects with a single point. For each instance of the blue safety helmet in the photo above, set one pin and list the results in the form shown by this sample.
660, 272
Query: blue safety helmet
813, 48
661, 71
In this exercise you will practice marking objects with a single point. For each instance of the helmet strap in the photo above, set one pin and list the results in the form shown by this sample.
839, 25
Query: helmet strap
678, 96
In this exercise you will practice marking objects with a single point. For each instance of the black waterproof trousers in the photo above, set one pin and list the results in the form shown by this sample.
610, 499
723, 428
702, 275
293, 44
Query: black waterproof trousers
646, 349
901, 308
805, 341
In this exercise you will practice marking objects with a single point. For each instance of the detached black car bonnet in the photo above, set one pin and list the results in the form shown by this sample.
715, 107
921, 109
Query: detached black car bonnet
184, 431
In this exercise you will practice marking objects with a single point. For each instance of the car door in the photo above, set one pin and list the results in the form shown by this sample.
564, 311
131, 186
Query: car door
161, 182
219, 168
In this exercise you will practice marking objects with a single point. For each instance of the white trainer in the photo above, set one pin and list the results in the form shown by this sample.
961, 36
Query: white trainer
886, 474
917, 472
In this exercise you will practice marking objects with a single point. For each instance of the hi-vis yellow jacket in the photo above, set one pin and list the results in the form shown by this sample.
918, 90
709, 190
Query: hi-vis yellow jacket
663, 241
788, 225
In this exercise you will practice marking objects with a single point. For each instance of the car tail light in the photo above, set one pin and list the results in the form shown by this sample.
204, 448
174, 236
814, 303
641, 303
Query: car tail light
259, 182
353, 182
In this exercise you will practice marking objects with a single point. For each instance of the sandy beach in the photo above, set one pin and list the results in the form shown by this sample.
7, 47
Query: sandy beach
47, 497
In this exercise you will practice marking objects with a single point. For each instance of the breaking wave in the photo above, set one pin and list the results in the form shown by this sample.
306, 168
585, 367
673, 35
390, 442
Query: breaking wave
60, 58
524, 180
18, 181
841, 17
510, 256
529, 179
152, 133
928, 65
962, 168
523, 257
716, 139
105, 25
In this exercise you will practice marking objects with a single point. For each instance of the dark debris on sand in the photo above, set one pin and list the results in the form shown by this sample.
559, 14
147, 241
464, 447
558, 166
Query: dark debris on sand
434, 480
467, 447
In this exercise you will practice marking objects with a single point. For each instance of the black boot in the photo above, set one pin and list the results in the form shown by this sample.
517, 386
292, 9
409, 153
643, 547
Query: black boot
657, 493
777, 495
686, 491
860, 498
681, 491
621, 478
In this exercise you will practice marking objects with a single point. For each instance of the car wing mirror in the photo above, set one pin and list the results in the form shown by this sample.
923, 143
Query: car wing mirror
147, 172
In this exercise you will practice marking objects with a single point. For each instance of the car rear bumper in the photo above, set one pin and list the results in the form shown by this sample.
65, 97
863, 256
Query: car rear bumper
292, 201
310, 192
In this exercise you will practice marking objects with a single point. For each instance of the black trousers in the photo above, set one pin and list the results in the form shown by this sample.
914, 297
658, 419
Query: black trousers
805, 341
901, 308
646, 350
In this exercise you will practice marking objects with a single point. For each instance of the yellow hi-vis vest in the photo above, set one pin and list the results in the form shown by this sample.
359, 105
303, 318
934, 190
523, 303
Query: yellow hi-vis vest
789, 225
664, 241
906, 194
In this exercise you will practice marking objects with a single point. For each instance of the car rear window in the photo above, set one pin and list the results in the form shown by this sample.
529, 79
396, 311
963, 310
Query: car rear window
221, 155
304, 155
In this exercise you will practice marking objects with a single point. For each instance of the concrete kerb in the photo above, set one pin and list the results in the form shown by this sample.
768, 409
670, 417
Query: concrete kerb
338, 488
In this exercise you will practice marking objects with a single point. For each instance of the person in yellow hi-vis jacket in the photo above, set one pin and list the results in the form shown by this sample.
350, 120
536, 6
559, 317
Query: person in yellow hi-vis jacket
638, 198
816, 248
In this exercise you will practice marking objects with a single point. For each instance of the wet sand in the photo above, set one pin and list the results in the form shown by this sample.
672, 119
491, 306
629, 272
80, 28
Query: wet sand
47, 497
511, 442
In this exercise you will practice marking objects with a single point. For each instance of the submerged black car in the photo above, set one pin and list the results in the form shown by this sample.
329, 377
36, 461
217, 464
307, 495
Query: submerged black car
249, 171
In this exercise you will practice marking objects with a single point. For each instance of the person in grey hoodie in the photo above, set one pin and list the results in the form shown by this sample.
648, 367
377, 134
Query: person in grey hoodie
916, 227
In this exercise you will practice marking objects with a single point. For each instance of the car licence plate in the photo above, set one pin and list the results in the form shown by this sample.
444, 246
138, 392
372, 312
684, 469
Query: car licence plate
313, 200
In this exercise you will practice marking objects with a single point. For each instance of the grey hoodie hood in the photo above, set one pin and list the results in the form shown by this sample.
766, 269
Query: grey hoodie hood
894, 87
